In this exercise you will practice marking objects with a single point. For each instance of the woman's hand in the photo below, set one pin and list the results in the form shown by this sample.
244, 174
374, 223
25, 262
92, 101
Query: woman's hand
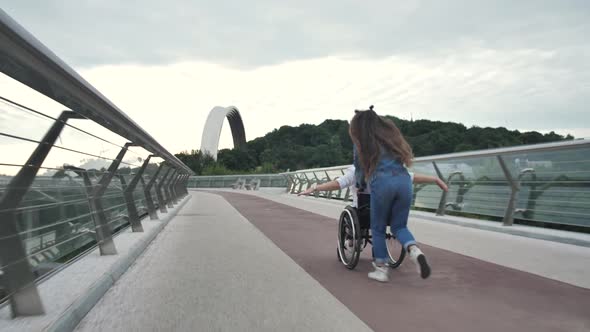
329, 186
311, 189
441, 184
306, 192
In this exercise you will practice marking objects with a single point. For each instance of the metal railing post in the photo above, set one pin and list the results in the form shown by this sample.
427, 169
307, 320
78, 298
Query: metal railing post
442, 205
169, 198
123, 181
508, 219
129, 199
147, 191
463, 189
443, 199
296, 182
530, 205
288, 183
173, 184
104, 233
301, 183
184, 185
173, 188
18, 278
292, 184
161, 202
308, 181
178, 187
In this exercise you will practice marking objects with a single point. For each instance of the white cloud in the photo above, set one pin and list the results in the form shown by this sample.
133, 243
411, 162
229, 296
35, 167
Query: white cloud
516, 89
519, 65
262, 32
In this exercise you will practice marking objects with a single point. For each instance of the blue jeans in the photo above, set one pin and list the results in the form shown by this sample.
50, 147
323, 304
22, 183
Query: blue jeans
391, 197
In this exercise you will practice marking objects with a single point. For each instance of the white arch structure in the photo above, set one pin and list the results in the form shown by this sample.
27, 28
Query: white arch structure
212, 129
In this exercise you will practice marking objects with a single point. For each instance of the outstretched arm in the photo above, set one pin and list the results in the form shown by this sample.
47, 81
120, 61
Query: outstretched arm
328, 186
345, 181
421, 178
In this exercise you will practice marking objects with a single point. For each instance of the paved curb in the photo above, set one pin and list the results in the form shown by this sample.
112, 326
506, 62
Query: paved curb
74, 314
505, 229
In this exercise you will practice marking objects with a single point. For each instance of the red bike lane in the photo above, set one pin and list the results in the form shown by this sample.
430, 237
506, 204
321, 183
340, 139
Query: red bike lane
462, 294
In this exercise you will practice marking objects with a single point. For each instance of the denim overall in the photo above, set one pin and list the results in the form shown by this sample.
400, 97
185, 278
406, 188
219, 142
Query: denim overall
391, 197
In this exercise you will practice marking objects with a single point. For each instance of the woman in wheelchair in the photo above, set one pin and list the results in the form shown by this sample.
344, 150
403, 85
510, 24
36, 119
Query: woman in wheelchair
381, 155
359, 210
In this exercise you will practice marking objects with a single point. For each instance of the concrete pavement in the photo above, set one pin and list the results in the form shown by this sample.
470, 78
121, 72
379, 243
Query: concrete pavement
212, 270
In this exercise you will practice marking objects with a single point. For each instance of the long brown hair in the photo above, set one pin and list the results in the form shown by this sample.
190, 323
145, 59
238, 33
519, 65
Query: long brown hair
371, 133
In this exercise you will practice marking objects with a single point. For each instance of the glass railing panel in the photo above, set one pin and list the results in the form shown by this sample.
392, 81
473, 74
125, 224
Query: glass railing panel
552, 182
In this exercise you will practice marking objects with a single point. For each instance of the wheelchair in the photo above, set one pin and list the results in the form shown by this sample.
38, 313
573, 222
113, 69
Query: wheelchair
354, 234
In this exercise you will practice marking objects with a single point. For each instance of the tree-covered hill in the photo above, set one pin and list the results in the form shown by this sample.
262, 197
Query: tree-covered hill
328, 144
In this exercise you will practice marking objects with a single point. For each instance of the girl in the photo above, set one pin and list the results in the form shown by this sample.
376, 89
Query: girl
380, 159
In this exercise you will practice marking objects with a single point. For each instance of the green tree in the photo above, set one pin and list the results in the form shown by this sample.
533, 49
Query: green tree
329, 144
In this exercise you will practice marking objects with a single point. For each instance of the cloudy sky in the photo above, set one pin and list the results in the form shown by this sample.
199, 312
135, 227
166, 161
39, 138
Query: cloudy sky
519, 64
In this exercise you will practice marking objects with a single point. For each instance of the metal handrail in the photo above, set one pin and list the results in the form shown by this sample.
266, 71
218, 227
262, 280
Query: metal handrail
33, 64
477, 153
508, 150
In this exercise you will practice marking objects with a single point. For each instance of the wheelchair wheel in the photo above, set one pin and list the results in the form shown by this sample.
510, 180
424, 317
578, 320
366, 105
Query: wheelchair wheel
349, 238
395, 249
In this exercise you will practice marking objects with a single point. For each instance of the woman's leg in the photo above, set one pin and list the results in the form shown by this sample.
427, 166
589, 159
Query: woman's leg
399, 221
381, 200
400, 211
380, 210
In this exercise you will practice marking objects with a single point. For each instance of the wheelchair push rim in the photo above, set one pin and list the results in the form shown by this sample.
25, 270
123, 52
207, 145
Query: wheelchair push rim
349, 238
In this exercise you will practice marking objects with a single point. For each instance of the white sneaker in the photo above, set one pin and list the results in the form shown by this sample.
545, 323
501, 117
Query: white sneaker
419, 259
381, 273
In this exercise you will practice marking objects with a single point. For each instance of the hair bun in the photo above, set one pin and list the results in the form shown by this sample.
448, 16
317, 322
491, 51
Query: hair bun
371, 108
